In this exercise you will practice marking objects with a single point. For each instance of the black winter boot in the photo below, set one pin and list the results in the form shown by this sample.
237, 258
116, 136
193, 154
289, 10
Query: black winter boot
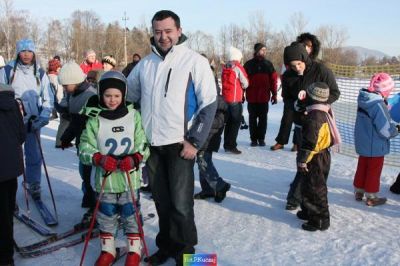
314, 225
395, 188
158, 258
220, 195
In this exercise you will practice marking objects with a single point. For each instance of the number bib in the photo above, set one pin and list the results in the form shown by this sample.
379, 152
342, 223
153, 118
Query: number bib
116, 137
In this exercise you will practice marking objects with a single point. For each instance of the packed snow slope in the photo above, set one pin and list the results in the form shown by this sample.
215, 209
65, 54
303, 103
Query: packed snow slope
251, 226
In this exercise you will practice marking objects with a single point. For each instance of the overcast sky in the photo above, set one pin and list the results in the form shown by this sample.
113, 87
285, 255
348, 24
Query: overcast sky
370, 24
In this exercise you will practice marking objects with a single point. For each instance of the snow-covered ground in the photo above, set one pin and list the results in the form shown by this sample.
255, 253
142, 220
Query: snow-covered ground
251, 226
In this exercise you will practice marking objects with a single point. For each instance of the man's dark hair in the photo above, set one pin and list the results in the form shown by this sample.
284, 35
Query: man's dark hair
316, 44
163, 14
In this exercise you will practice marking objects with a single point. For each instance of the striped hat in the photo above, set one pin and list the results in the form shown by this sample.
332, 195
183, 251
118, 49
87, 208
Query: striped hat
382, 83
110, 60
319, 92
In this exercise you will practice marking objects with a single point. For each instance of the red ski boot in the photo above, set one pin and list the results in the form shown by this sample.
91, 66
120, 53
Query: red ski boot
134, 250
107, 255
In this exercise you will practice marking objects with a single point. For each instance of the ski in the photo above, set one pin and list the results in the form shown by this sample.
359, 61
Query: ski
78, 228
48, 218
34, 225
40, 252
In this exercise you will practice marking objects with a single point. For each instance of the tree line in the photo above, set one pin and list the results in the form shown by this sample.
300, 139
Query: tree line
71, 37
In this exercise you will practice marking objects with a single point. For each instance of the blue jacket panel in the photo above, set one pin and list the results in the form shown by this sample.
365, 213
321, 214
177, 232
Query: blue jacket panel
394, 103
373, 128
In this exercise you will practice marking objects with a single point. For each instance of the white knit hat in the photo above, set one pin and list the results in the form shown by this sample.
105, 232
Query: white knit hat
71, 73
235, 54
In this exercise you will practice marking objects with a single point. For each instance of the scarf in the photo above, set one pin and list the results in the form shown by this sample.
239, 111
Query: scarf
336, 139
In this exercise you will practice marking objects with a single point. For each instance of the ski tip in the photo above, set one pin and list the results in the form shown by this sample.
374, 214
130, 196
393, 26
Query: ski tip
51, 224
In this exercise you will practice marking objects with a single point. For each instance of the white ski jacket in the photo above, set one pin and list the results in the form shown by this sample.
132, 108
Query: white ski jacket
177, 96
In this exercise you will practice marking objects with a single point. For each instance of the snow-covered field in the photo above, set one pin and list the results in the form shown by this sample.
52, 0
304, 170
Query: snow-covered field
251, 226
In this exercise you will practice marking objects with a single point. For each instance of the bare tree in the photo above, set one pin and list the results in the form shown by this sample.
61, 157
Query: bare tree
332, 40
6, 14
258, 27
113, 42
297, 24
87, 32
139, 41
349, 57
52, 38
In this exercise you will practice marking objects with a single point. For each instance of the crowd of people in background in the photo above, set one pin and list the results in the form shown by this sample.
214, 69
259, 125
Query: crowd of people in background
179, 116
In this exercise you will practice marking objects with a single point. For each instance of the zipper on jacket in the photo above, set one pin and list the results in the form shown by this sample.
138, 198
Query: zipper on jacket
166, 84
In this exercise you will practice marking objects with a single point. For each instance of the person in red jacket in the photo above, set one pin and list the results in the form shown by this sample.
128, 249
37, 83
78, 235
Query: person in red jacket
263, 84
90, 62
234, 81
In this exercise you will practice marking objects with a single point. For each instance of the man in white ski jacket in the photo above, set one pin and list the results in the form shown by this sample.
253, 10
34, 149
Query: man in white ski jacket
176, 90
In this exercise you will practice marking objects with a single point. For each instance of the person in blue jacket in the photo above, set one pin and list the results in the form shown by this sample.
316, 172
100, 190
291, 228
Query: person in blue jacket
372, 134
32, 86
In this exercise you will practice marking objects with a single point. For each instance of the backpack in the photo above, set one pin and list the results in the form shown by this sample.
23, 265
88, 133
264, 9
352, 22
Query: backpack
231, 88
8, 68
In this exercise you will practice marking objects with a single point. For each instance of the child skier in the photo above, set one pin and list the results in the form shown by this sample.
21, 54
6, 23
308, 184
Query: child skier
114, 142
372, 134
12, 136
319, 132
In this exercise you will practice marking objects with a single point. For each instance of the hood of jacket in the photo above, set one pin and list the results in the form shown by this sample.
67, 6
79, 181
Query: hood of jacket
368, 100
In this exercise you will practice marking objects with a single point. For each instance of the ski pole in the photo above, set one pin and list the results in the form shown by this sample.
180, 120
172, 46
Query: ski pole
141, 232
93, 217
47, 174
24, 186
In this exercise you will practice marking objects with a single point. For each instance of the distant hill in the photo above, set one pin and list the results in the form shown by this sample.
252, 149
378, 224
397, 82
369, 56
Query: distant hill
365, 52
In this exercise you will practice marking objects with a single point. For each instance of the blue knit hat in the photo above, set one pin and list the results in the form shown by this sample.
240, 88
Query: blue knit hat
25, 45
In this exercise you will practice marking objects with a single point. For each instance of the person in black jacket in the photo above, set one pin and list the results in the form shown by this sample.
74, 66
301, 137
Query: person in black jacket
127, 70
212, 185
302, 73
12, 136
312, 45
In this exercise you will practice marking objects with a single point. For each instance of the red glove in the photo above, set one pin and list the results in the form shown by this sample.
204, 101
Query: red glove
108, 163
274, 100
130, 162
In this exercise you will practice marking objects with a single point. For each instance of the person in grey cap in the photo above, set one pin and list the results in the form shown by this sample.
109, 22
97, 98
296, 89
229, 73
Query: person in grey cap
12, 137
32, 86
